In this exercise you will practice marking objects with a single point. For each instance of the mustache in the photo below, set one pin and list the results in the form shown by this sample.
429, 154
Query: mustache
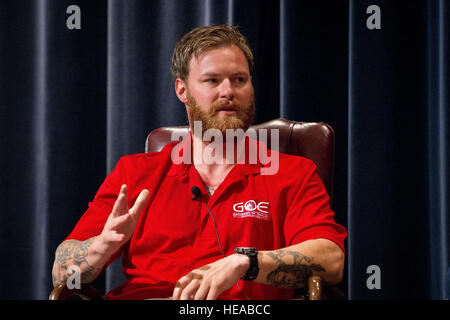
217, 106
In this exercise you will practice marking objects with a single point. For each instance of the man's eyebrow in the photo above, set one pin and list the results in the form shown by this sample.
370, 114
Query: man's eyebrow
215, 74
240, 73
209, 74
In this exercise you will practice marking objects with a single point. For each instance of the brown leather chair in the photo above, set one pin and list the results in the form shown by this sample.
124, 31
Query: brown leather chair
312, 140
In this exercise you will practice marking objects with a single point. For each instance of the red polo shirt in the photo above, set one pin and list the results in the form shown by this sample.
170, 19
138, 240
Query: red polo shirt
175, 234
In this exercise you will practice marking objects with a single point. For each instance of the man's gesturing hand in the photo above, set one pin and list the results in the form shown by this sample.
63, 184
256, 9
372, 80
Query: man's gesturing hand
209, 281
122, 221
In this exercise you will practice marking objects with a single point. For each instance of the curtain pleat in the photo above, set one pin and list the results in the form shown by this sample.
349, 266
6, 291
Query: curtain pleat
40, 153
72, 102
437, 105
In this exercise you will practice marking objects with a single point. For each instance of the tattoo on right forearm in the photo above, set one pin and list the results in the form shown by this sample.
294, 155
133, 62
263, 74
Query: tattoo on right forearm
73, 252
293, 274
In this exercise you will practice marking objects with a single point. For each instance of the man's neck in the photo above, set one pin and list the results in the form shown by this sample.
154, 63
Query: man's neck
210, 161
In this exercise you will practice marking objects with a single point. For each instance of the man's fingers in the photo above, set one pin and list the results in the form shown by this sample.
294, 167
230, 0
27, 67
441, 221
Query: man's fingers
213, 293
180, 285
121, 205
202, 292
140, 202
117, 237
189, 291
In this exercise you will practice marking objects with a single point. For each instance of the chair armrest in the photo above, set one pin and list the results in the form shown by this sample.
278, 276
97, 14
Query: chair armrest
86, 292
315, 288
313, 291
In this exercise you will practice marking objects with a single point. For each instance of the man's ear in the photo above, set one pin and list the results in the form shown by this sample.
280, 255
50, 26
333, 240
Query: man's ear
181, 90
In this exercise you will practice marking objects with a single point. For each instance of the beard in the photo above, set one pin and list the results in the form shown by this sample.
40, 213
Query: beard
242, 119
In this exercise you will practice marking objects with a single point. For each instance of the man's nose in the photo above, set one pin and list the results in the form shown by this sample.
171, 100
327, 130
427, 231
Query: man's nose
226, 89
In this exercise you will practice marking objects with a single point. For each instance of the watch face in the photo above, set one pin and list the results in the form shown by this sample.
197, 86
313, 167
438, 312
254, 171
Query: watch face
246, 250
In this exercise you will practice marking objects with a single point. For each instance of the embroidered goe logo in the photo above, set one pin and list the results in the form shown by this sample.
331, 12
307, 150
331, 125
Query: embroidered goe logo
251, 209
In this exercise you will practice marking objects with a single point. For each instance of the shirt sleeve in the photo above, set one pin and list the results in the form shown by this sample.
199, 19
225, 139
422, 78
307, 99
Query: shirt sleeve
309, 215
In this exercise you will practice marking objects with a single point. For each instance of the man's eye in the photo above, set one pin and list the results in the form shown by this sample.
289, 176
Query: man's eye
240, 81
211, 80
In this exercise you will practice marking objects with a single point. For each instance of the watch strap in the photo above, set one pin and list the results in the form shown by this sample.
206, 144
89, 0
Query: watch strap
253, 269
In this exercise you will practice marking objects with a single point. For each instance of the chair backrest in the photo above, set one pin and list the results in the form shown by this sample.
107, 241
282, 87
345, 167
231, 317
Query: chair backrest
312, 140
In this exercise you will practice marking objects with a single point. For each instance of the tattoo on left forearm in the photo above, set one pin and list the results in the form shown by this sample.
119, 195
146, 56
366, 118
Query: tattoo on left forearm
293, 269
73, 252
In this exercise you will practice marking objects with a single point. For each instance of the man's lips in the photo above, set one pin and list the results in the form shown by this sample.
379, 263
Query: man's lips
227, 108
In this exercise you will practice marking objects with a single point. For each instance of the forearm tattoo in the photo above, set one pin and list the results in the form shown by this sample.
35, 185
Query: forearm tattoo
293, 269
73, 252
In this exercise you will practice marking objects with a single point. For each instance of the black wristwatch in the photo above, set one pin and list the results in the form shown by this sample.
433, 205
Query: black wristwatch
253, 270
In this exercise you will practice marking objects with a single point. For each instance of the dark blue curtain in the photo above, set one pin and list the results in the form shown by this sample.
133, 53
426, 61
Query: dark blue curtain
397, 147
73, 101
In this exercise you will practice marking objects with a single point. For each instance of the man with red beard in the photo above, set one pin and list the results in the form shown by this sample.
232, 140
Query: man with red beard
243, 235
